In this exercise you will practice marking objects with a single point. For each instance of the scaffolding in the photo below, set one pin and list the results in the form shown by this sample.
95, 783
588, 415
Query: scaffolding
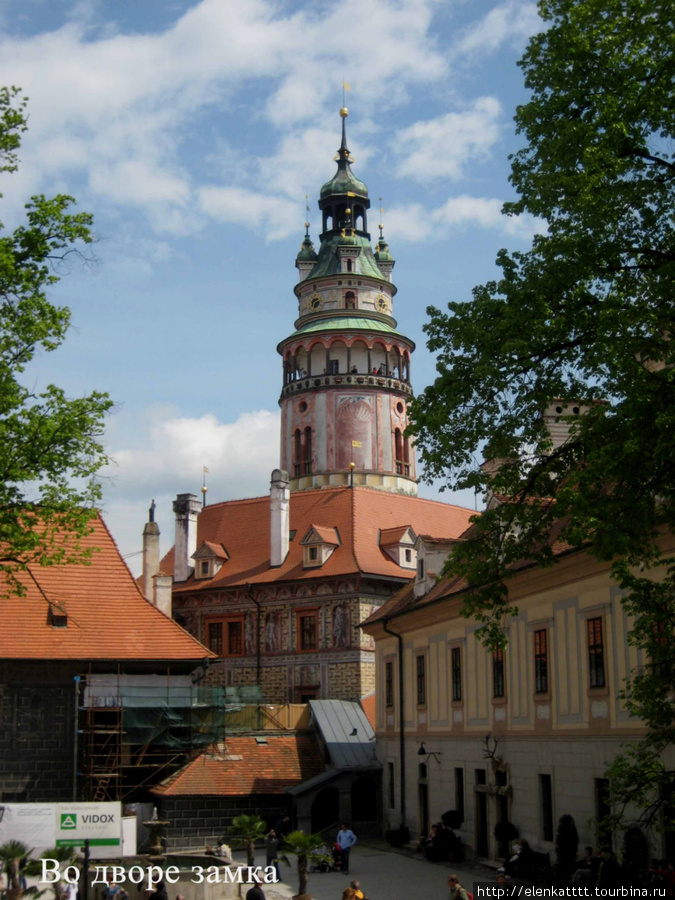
137, 730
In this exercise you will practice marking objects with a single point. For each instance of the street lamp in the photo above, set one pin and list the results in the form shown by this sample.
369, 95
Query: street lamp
425, 753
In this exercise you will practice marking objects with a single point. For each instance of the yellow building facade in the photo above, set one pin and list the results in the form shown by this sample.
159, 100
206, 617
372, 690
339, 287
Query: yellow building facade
550, 703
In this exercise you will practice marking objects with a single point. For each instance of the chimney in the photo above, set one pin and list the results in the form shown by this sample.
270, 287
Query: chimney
558, 418
279, 516
162, 593
150, 553
186, 508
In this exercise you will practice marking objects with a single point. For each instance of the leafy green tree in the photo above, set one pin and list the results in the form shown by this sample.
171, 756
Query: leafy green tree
50, 444
586, 315
305, 847
245, 831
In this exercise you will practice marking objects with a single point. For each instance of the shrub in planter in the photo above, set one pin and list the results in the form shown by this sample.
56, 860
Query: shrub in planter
635, 856
505, 832
566, 848
452, 819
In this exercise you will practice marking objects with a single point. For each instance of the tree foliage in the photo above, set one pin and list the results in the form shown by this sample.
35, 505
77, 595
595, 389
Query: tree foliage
50, 444
586, 315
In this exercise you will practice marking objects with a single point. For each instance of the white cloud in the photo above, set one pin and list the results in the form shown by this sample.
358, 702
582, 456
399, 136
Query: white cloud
116, 107
416, 223
163, 454
438, 148
511, 22
277, 216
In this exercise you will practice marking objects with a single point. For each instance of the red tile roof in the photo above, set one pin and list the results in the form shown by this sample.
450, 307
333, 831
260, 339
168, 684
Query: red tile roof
389, 536
243, 766
359, 514
108, 618
404, 600
368, 706
325, 535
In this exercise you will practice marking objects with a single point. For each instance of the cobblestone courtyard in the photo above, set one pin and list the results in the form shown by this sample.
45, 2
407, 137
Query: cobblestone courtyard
384, 875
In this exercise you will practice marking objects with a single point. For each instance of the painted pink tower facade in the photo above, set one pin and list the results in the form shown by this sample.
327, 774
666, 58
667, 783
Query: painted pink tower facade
346, 367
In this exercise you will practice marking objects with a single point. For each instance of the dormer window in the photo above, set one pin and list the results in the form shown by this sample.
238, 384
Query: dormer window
318, 545
209, 559
399, 544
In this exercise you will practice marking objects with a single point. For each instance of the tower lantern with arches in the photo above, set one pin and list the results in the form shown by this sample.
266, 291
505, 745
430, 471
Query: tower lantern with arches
346, 382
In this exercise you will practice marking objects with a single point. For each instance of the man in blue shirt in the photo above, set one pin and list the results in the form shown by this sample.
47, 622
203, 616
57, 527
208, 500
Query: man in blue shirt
345, 840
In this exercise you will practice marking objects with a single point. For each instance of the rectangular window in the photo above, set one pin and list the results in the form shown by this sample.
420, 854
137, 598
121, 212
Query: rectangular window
215, 638
204, 567
389, 684
456, 666
408, 555
596, 653
498, 673
333, 367
420, 569
459, 792
421, 682
235, 632
540, 662
313, 553
307, 630
546, 800
391, 785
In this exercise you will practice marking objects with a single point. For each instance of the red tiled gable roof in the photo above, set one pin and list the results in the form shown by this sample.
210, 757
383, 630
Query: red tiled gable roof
389, 536
359, 514
216, 549
325, 535
107, 616
369, 708
244, 766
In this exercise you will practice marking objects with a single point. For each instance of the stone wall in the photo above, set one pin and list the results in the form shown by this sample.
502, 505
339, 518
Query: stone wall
198, 821
36, 733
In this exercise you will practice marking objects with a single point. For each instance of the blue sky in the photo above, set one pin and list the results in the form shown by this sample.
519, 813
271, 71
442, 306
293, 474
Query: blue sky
192, 131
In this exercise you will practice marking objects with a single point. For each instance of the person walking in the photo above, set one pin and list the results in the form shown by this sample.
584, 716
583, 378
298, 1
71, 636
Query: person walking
457, 892
272, 842
345, 840
256, 892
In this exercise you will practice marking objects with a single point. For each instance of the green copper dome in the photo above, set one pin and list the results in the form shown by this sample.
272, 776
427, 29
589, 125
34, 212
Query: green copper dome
344, 182
307, 252
382, 253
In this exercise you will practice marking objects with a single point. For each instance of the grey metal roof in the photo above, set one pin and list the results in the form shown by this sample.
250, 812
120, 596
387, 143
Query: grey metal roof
336, 720
297, 789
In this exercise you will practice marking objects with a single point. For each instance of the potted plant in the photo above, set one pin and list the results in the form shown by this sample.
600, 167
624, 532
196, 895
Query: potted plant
12, 855
245, 831
304, 847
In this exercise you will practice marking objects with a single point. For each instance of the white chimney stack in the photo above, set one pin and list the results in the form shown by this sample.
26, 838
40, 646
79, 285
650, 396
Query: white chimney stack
280, 512
186, 508
150, 554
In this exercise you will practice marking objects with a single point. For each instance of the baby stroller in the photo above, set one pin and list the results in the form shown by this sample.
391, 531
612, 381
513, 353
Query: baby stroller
337, 859
323, 861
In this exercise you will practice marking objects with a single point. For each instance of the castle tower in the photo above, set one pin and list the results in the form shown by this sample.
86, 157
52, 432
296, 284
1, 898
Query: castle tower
346, 367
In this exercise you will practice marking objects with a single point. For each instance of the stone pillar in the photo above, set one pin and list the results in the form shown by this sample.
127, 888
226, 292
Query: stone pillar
186, 508
279, 516
150, 553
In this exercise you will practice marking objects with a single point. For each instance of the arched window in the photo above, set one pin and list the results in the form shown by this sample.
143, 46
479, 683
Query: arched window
307, 457
350, 299
297, 452
398, 450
